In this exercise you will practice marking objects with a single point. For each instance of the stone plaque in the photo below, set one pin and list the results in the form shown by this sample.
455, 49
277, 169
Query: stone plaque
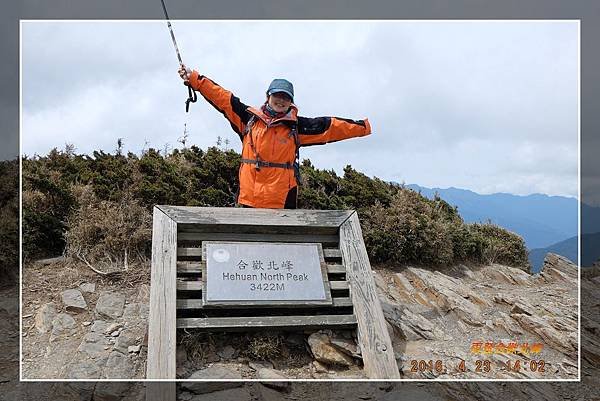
264, 273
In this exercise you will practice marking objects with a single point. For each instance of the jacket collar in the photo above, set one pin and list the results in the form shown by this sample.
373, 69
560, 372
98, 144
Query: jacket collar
292, 115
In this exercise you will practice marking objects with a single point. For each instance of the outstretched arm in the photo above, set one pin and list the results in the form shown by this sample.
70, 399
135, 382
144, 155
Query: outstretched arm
321, 130
223, 100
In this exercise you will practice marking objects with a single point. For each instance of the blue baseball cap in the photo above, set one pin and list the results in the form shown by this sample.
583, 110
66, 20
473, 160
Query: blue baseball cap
281, 85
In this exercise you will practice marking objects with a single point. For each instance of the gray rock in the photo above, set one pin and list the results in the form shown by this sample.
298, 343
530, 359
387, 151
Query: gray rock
326, 353
118, 366
319, 367
73, 301
83, 370
63, 324
87, 287
126, 339
78, 391
296, 339
185, 396
410, 326
50, 261
99, 326
110, 305
271, 374
44, 317
134, 349
107, 391
346, 345
237, 394
131, 311
268, 394
213, 372
180, 356
228, 352
256, 365
112, 328
94, 345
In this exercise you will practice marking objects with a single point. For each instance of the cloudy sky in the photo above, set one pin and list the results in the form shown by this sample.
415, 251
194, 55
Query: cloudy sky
490, 106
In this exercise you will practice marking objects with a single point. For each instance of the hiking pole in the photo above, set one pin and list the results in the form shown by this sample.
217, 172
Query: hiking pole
191, 92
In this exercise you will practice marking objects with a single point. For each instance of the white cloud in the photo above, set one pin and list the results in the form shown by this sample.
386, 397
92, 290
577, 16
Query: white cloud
483, 105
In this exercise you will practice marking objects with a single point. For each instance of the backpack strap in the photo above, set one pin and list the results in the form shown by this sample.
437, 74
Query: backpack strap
294, 132
258, 163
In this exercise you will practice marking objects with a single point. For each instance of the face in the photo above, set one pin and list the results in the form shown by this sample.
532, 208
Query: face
280, 102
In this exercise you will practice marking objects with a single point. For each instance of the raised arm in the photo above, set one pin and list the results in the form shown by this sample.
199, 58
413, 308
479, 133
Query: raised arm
322, 130
223, 100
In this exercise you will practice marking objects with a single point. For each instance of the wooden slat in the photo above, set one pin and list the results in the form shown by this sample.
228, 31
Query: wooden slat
197, 303
189, 267
196, 285
336, 269
197, 252
377, 352
272, 322
227, 219
161, 391
196, 268
256, 237
338, 285
332, 253
161, 320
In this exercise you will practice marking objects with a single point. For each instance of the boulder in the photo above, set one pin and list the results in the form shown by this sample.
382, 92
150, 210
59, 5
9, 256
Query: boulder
73, 301
88, 287
118, 366
99, 326
83, 370
94, 345
110, 305
325, 352
126, 339
237, 394
257, 365
62, 324
227, 352
115, 391
346, 345
212, 372
410, 326
44, 317
272, 374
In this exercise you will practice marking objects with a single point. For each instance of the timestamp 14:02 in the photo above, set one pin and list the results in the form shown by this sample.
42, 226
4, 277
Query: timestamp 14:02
480, 366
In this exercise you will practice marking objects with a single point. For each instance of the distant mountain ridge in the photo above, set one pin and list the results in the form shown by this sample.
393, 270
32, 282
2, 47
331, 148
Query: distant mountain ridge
541, 220
590, 251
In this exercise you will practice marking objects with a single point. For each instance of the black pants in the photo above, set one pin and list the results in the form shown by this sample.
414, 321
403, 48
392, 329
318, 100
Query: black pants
291, 200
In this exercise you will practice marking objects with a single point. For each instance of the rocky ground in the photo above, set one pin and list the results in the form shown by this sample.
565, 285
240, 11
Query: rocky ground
432, 315
449, 316
79, 325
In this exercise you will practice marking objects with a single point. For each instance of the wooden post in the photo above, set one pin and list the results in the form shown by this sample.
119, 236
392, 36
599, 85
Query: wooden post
162, 316
377, 352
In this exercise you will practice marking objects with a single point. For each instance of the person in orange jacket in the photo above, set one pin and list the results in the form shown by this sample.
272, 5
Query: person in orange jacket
271, 136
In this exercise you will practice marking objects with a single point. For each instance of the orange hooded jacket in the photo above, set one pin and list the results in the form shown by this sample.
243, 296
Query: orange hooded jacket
272, 141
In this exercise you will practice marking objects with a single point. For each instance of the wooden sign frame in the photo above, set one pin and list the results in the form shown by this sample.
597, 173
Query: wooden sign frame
344, 251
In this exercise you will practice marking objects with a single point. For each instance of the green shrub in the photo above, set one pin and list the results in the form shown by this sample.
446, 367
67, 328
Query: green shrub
9, 219
412, 229
107, 233
500, 245
68, 194
417, 230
